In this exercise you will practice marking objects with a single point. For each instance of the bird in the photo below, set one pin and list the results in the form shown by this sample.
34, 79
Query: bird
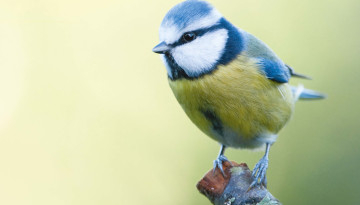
230, 84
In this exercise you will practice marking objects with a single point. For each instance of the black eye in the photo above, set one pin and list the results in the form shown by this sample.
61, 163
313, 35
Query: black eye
189, 36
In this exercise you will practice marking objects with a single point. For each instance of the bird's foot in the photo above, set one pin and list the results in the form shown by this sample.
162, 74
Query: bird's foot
259, 173
218, 163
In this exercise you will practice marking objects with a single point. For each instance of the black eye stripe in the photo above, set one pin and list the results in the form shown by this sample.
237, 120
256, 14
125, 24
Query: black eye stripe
198, 33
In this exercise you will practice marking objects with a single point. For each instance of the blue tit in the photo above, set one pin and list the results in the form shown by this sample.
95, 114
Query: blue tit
230, 84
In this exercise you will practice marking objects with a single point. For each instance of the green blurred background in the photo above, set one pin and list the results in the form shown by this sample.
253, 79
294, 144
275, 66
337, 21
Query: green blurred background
87, 117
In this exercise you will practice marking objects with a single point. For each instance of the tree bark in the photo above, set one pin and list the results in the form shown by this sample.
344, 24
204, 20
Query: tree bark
233, 188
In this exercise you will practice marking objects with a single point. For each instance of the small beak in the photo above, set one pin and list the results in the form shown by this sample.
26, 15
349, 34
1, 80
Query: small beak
161, 48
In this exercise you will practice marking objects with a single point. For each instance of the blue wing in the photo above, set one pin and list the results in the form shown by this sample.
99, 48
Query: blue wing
269, 64
274, 70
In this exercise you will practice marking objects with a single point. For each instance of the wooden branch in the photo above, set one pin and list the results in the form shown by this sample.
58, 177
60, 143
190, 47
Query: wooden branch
233, 188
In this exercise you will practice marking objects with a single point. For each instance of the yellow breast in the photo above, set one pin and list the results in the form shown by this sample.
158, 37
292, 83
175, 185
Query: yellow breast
236, 105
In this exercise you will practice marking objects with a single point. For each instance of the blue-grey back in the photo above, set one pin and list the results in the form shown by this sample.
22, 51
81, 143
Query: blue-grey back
269, 63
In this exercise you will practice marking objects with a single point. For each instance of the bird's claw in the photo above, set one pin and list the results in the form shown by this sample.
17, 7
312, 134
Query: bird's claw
218, 163
259, 173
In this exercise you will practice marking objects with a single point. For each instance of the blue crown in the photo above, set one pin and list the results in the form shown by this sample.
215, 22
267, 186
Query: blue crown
185, 13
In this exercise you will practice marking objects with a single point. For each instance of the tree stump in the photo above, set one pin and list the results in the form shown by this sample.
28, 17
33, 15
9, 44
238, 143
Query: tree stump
233, 189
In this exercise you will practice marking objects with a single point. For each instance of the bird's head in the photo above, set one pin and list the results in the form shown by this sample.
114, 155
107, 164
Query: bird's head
195, 38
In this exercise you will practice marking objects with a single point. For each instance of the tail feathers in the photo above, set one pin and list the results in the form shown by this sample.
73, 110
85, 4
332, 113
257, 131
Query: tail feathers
305, 94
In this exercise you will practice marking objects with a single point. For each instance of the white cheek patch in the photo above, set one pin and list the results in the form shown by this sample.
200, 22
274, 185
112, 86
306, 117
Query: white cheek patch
200, 56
